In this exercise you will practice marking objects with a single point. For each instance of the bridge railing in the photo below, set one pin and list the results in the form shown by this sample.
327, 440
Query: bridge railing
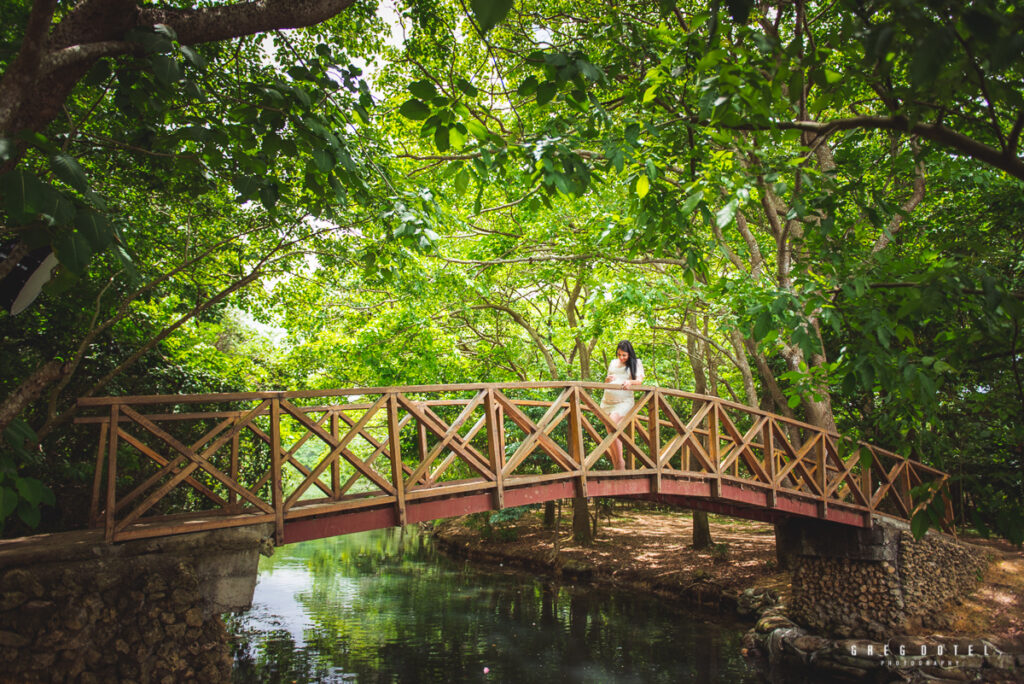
177, 463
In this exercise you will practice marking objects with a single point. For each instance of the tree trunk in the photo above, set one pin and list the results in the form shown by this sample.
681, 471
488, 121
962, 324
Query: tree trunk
581, 532
52, 59
695, 350
549, 515
701, 530
749, 389
28, 391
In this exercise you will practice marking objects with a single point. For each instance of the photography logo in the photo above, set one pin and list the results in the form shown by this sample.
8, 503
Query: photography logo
949, 654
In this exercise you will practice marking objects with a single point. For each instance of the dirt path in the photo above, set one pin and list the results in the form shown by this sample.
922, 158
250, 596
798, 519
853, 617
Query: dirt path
997, 608
641, 549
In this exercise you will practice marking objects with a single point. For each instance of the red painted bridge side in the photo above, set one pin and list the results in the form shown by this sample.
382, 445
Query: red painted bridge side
398, 455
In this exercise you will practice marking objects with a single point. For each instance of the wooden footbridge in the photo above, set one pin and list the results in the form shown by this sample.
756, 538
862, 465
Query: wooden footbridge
322, 463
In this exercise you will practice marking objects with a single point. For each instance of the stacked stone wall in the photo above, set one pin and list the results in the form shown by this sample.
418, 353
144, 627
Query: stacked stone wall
935, 571
73, 608
847, 597
135, 621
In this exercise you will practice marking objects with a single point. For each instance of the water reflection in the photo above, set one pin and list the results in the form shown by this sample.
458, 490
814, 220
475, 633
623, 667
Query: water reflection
384, 607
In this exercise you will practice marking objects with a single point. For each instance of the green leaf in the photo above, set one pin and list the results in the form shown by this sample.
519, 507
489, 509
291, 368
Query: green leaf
19, 432
269, 195
476, 128
29, 514
489, 13
546, 92
456, 137
196, 133
30, 489
424, 90
323, 159
95, 228
193, 57
151, 39
726, 214
691, 203
302, 96
246, 186
70, 171
461, 181
97, 74
467, 87
762, 325
919, 524
651, 92
866, 458
589, 70
8, 502
643, 186
62, 281
527, 87
414, 109
73, 251
166, 69
929, 58
58, 207
739, 10
165, 30
339, 190
127, 262
441, 139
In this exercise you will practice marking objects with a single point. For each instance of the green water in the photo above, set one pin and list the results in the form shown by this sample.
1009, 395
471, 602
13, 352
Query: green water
383, 606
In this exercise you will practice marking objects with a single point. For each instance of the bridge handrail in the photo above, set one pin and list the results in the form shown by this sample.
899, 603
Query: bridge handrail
816, 466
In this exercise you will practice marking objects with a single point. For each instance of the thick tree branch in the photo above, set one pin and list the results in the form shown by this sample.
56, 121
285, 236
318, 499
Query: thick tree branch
89, 52
28, 391
915, 199
538, 340
938, 133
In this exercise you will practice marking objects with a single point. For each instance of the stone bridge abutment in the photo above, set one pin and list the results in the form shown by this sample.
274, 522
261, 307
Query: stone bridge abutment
873, 582
74, 608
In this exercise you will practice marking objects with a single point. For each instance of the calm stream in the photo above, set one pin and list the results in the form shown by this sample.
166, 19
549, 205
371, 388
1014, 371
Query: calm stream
383, 606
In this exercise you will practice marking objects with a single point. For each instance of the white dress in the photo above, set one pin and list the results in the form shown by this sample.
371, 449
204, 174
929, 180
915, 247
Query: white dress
620, 401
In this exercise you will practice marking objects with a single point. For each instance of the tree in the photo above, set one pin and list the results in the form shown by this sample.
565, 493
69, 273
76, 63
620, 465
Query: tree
777, 188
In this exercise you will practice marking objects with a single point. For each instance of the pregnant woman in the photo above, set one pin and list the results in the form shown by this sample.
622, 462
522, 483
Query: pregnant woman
626, 370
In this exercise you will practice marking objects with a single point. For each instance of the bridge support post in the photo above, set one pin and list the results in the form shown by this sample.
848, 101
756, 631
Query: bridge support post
820, 475
576, 450
768, 437
276, 463
654, 431
495, 447
112, 474
713, 451
395, 450
97, 478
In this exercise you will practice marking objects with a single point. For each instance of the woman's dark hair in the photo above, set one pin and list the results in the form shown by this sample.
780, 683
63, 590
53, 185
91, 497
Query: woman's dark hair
625, 346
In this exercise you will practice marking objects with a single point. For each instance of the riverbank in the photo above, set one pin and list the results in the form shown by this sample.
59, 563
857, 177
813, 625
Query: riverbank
635, 550
649, 550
